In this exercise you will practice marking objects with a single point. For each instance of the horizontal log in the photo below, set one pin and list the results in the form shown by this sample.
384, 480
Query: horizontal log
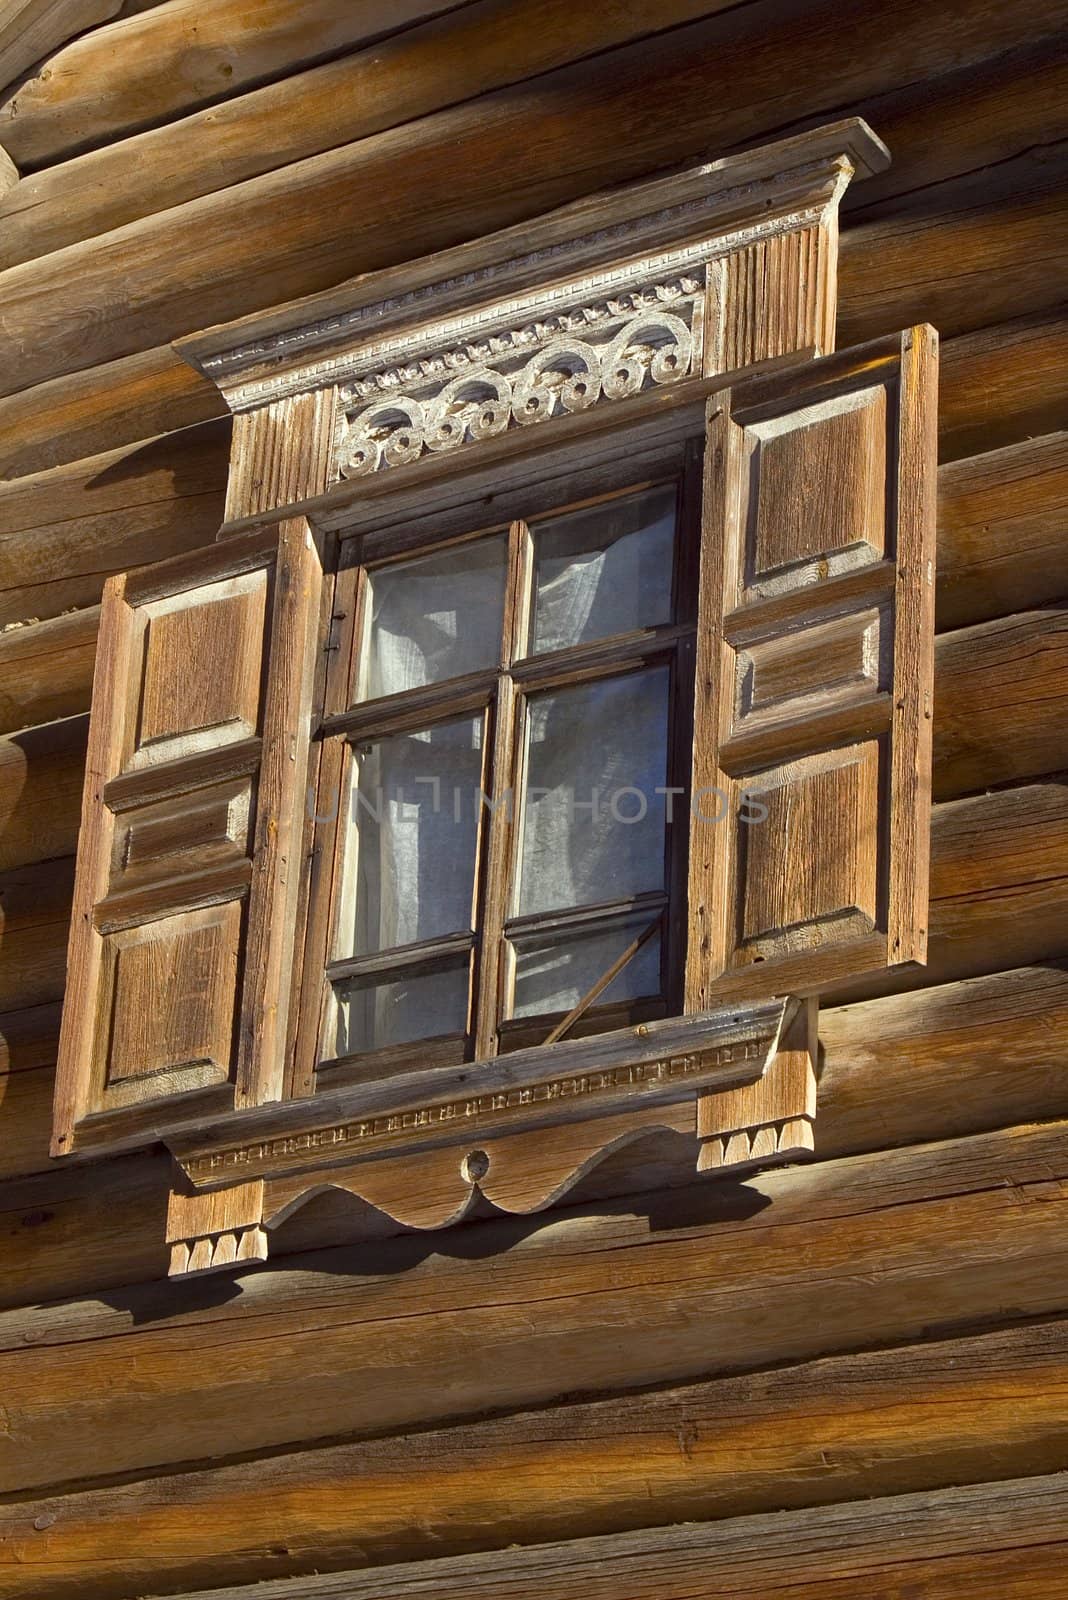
971, 252
361, 207
1005, 1539
31, 29
46, 669
1002, 384
912, 1419
723, 1277
942, 1062
1001, 701
35, 904
1001, 522
472, 50
62, 532
89, 413
41, 777
984, 114
148, 69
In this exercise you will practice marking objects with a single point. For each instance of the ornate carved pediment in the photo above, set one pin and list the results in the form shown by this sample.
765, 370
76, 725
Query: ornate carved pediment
724, 266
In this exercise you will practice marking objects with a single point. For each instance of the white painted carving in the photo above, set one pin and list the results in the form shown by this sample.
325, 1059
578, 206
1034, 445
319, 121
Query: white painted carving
564, 362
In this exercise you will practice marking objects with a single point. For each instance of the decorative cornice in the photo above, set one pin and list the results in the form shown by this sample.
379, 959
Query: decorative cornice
703, 211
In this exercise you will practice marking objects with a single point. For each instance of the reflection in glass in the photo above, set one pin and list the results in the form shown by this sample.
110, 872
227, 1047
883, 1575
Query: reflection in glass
434, 618
554, 973
411, 823
593, 824
603, 571
372, 1014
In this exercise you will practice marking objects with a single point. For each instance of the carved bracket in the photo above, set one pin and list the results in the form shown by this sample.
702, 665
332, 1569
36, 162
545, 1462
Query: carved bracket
519, 1130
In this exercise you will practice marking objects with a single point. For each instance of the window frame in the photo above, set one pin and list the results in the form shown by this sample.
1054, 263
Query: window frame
542, 477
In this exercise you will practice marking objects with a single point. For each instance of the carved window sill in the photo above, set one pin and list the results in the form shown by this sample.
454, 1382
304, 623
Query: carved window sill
519, 1129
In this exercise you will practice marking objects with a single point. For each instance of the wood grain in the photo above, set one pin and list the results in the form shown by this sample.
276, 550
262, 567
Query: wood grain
63, 532
916, 1418
311, 224
31, 29
1002, 1540
732, 1276
471, 50
1002, 702
145, 69
1001, 520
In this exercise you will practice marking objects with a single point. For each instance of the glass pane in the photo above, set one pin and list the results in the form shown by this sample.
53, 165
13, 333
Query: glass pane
412, 825
593, 823
419, 1005
553, 974
604, 571
434, 618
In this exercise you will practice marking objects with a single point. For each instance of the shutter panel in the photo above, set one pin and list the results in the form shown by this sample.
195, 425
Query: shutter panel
184, 901
812, 744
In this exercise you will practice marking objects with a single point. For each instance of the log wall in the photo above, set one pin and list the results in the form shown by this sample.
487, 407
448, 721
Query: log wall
852, 1376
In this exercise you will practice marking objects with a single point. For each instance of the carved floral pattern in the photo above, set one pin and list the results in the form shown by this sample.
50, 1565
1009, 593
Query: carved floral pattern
563, 363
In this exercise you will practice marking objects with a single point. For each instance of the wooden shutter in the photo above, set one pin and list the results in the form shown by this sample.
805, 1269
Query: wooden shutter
184, 902
812, 746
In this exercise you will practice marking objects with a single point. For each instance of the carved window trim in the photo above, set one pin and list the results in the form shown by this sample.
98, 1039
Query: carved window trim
417, 392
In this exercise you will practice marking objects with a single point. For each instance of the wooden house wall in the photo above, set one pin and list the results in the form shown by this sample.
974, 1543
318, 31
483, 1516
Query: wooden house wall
889, 1322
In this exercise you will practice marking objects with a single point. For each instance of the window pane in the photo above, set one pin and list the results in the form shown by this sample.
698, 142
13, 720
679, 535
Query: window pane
434, 618
604, 571
419, 1005
553, 974
412, 822
593, 824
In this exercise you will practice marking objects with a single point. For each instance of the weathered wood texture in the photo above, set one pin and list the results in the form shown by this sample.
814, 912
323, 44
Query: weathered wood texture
92, 412
63, 532
733, 1276
317, 221
978, 116
1001, 531
29, 29
46, 668
916, 1418
1003, 1540
145, 69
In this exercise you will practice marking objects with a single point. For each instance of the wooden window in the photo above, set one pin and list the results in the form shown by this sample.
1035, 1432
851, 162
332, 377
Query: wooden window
506, 745
427, 820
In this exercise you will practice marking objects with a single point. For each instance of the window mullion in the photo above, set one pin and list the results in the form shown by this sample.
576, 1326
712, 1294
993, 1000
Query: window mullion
501, 811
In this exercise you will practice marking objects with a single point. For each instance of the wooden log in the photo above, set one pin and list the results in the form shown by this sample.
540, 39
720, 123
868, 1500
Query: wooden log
999, 888
31, 29
41, 778
92, 412
962, 1058
63, 531
968, 119
1001, 519
1001, 702
147, 69
911, 1419
1005, 1539
978, 250
35, 904
46, 669
1001, 385
724, 1277
360, 207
